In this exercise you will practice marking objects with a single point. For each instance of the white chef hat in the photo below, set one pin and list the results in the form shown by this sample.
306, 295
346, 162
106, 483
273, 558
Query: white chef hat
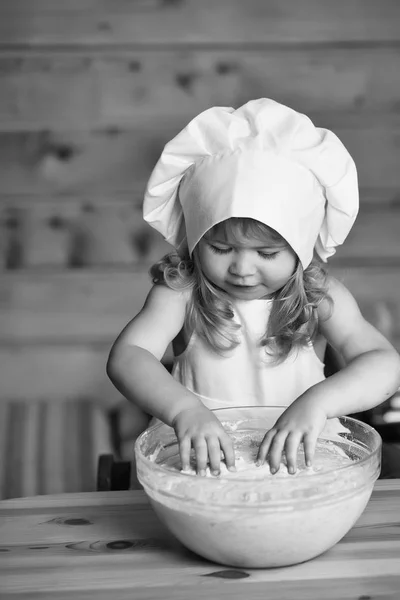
263, 161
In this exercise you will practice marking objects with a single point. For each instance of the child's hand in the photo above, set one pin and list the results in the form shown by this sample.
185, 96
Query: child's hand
200, 429
302, 421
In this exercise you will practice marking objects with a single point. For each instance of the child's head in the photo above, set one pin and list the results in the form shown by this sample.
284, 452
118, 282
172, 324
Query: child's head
233, 180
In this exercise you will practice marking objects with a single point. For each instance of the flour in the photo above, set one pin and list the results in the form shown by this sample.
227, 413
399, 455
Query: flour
329, 455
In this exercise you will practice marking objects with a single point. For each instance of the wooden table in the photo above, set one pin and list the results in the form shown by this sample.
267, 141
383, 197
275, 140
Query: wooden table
110, 545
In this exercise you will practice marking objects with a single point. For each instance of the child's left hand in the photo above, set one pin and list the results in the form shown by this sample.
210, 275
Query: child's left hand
302, 421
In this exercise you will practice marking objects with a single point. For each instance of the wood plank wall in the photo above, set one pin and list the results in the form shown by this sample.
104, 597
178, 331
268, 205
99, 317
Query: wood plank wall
90, 90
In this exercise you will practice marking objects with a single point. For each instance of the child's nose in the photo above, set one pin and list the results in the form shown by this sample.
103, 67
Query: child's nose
242, 265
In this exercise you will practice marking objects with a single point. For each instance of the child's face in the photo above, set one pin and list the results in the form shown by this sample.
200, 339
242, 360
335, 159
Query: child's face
247, 269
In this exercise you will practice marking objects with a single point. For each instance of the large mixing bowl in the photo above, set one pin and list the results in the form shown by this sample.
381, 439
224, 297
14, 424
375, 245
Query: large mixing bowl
255, 519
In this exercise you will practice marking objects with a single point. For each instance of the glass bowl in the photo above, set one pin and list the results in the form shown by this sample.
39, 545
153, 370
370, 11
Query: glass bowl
254, 519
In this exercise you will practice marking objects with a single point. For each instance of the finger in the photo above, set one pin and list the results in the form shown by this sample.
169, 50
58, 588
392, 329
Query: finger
201, 451
309, 443
214, 455
184, 450
275, 451
292, 444
229, 451
265, 446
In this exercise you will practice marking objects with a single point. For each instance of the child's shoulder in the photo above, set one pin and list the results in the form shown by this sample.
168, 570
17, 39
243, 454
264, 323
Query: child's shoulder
339, 298
160, 295
337, 289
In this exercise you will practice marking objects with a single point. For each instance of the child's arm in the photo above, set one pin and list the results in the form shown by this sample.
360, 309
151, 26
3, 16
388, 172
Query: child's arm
371, 375
135, 369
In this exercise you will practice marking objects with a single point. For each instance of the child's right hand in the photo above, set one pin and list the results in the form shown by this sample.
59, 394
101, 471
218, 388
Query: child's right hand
199, 429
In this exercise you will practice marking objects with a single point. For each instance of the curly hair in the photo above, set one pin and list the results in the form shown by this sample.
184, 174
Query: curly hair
293, 321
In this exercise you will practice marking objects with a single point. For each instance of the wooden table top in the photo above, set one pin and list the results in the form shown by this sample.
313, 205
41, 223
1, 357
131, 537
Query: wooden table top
110, 545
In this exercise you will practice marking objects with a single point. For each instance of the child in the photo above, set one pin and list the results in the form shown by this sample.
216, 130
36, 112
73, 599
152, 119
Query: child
252, 200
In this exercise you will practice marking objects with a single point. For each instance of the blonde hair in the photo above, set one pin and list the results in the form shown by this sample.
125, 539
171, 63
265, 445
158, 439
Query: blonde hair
293, 321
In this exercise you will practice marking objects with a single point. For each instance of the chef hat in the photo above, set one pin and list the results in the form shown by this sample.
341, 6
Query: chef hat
263, 161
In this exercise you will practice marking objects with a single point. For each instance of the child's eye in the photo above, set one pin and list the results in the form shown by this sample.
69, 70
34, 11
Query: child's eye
268, 255
219, 250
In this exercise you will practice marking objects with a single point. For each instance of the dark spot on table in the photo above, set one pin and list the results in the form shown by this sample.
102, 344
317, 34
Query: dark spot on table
229, 574
77, 522
116, 545
120, 545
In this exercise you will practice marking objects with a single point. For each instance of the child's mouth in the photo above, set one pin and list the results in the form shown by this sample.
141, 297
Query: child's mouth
242, 287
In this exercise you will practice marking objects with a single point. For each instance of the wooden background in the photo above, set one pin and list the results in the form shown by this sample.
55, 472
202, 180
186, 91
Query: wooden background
91, 90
